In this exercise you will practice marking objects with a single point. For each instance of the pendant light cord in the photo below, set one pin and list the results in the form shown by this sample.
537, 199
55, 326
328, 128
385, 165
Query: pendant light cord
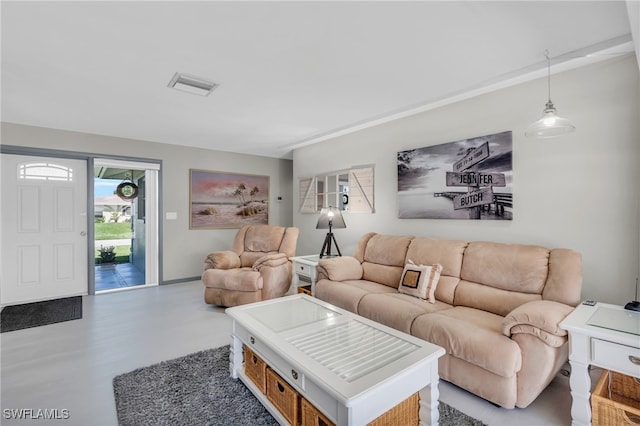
550, 125
546, 54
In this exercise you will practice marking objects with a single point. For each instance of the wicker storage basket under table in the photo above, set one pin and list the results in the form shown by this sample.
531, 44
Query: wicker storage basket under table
406, 414
255, 369
311, 416
615, 400
283, 397
306, 289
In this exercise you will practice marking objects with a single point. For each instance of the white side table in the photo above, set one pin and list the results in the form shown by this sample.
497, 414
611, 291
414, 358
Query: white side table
607, 336
304, 272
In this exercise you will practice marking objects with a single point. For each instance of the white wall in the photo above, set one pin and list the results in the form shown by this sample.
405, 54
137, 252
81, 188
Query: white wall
184, 250
578, 191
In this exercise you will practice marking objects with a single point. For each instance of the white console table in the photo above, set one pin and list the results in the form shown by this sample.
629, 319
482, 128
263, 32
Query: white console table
607, 336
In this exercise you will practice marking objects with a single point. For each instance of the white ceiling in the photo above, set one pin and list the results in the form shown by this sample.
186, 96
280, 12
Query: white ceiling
290, 73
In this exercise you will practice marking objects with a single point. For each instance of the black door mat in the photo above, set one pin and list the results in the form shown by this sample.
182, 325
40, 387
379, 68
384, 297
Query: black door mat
36, 314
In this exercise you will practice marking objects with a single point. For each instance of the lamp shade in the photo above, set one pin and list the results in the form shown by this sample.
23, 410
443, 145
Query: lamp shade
330, 217
550, 125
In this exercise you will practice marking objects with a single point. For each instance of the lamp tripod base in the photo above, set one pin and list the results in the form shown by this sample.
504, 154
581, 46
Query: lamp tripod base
327, 246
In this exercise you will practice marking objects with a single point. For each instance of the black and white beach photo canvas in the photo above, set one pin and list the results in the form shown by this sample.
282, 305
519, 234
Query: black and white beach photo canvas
467, 179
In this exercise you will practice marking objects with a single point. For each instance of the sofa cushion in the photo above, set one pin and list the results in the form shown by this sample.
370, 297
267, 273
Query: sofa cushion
420, 280
491, 299
471, 335
263, 238
512, 267
387, 250
499, 277
384, 259
396, 310
361, 247
382, 274
430, 251
254, 241
347, 294
447, 253
446, 289
564, 283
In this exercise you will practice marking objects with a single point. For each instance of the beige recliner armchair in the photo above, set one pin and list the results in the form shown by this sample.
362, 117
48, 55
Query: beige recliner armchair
256, 268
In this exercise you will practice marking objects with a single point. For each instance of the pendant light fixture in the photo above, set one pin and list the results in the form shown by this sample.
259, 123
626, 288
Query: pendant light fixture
550, 125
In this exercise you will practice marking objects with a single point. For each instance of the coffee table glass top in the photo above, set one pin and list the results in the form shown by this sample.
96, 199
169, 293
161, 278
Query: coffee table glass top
352, 349
289, 314
616, 319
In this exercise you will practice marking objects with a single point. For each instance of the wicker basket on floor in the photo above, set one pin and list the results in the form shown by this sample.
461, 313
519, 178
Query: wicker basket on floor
616, 400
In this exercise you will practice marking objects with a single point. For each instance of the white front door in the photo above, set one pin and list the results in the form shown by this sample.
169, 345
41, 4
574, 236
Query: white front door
44, 228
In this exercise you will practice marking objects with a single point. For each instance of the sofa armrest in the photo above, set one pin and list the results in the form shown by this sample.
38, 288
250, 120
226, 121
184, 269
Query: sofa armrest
540, 318
339, 269
222, 260
271, 260
548, 338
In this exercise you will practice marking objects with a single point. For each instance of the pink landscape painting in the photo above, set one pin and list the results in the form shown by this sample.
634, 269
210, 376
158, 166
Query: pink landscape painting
227, 200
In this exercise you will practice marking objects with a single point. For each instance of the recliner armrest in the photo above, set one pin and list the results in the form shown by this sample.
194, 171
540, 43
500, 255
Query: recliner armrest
222, 260
272, 260
339, 268
540, 318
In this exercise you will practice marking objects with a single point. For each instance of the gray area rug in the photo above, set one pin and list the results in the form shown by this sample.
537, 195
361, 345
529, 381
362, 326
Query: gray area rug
197, 390
18, 317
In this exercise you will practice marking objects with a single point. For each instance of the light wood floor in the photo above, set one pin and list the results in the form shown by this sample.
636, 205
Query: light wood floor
71, 365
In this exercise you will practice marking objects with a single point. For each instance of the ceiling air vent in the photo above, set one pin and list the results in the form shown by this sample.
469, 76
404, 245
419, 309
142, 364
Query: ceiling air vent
191, 84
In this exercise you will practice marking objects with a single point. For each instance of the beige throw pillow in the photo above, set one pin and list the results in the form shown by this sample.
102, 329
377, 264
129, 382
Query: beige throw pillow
420, 280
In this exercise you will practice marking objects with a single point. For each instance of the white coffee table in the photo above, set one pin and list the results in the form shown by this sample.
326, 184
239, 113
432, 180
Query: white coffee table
604, 335
350, 368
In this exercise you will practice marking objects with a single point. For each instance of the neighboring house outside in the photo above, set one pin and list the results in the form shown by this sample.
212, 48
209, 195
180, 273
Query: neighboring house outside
112, 208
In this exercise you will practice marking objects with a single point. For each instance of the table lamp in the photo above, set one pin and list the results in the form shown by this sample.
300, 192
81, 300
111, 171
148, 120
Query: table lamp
330, 218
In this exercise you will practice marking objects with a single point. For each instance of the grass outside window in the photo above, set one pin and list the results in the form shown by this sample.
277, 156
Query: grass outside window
113, 231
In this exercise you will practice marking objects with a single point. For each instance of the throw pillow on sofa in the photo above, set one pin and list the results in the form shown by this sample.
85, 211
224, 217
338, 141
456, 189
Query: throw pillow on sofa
420, 280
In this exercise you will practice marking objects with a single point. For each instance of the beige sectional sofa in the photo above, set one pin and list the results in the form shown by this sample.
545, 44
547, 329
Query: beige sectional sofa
496, 312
